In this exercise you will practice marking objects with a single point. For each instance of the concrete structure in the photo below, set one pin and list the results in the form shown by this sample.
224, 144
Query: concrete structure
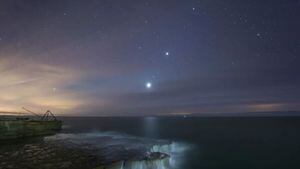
15, 129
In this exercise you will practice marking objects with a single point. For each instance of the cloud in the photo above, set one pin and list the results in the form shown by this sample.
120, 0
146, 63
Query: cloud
37, 86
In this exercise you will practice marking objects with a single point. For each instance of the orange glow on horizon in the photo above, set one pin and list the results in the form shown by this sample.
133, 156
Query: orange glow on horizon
32, 85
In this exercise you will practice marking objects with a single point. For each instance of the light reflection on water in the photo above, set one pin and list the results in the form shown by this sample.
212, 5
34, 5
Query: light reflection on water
151, 127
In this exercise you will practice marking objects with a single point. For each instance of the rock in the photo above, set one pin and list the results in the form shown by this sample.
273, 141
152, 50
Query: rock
28, 151
9, 166
40, 157
15, 154
48, 166
48, 151
66, 164
158, 155
149, 156
34, 161
35, 153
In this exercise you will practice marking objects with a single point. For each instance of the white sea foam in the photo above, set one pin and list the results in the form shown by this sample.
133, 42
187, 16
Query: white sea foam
176, 150
154, 164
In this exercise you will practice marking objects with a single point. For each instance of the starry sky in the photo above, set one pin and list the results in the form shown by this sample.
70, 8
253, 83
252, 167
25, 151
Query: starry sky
150, 57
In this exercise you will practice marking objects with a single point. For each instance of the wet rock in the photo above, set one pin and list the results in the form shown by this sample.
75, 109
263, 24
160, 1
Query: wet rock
15, 154
28, 151
40, 157
66, 164
155, 156
48, 166
36, 153
9, 166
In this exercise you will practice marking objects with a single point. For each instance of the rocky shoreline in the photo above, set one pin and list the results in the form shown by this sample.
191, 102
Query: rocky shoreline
56, 155
46, 156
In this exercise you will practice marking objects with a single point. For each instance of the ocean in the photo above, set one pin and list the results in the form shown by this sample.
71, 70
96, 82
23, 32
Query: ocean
206, 142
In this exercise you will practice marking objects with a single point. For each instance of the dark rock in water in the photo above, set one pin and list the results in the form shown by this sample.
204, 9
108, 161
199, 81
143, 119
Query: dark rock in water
155, 156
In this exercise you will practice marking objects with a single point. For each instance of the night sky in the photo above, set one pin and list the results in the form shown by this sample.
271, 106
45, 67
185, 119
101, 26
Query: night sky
143, 57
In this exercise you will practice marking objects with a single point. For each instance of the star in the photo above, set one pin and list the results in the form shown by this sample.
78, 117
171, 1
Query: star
167, 53
148, 85
258, 34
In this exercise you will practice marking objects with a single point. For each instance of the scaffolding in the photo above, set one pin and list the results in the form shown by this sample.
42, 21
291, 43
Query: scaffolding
48, 116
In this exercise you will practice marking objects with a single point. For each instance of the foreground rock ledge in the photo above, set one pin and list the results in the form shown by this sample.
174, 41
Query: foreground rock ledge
54, 155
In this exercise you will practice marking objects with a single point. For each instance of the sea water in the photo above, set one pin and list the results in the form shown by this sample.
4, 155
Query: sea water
199, 142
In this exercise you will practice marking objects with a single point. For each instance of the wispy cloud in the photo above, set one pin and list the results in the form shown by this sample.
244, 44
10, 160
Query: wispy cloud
36, 85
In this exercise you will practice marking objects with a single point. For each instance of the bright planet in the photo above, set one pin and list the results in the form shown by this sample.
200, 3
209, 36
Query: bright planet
148, 85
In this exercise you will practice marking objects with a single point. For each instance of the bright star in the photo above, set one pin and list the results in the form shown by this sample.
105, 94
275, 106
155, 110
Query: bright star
167, 53
148, 85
